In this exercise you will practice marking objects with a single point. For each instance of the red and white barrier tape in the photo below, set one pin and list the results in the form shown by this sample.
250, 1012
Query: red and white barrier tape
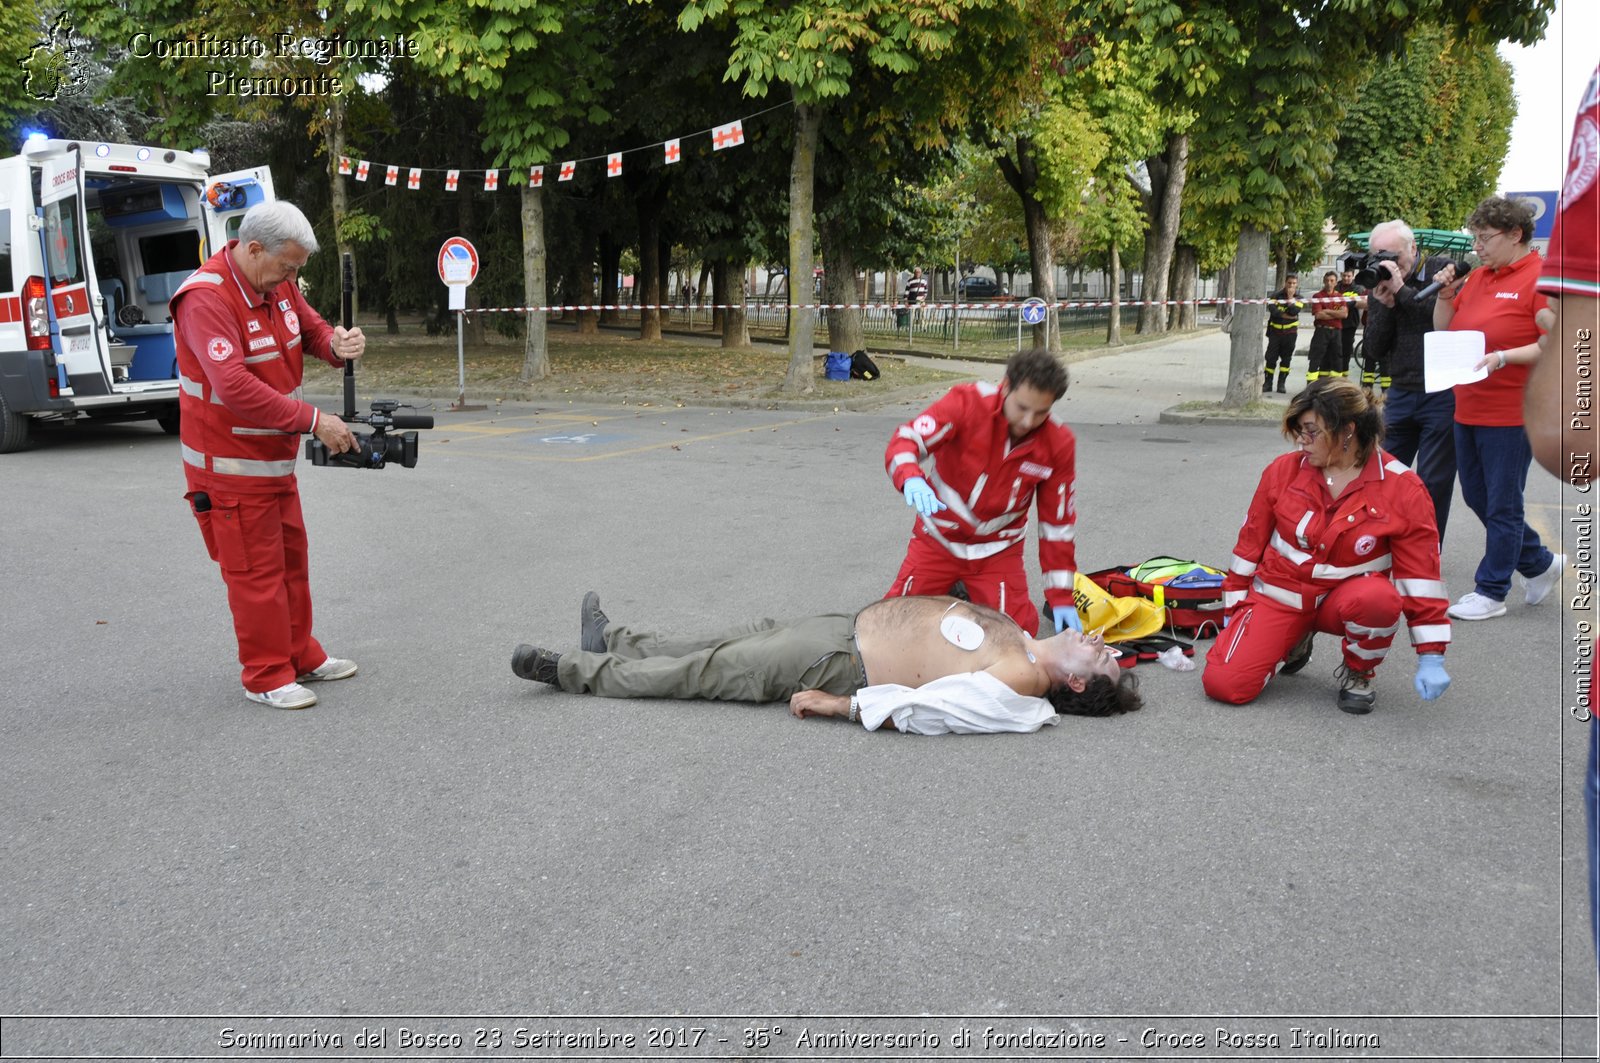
1015, 304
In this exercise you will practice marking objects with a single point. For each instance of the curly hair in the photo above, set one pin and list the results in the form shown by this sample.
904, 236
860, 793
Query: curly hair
1100, 696
1339, 401
1039, 369
1504, 215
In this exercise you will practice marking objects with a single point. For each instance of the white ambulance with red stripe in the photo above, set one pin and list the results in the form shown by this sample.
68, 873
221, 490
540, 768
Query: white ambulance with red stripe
94, 240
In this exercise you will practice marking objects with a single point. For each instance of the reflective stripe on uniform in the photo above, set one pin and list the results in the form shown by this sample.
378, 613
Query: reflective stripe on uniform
1421, 588
1381, 563
239, 430
247, 467
1280, 544
257, 359
1240, 567
1421, 633
1058, 579
1277, 594
1056, 533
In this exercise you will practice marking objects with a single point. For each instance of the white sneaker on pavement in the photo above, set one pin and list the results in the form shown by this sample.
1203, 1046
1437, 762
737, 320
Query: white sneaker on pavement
288, 696
1539, 587
329, 670
1475, 606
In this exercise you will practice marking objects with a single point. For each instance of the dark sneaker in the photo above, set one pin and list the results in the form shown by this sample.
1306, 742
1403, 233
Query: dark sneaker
530, 662
592, 624
1298, 657
1356, 695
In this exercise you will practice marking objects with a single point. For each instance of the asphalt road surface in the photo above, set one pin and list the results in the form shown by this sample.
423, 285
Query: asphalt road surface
439, 838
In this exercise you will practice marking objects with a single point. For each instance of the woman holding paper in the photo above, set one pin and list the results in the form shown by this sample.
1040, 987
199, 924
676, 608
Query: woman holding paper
1492, 452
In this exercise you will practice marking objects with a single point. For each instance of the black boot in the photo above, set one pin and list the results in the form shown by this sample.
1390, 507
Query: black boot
1266, 385
1283, 381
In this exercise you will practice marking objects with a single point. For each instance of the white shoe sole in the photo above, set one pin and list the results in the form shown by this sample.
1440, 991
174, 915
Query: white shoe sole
1452, 614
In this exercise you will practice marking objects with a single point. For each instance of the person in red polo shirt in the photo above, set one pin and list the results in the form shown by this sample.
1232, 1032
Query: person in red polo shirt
1492, 450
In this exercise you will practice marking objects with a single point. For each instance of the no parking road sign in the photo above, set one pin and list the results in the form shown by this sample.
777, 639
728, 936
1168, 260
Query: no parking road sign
458, 267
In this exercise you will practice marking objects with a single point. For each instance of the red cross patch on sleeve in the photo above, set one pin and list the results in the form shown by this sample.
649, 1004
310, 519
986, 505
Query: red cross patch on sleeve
219, 349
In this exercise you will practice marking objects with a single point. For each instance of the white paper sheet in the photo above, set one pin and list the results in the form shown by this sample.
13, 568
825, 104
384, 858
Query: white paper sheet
1448, 359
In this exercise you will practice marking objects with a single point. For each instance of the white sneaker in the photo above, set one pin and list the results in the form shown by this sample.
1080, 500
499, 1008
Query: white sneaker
329, 670
1539, 587
1475, 606
288, 696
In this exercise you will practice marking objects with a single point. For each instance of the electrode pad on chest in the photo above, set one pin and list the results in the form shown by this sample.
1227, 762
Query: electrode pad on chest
960, 632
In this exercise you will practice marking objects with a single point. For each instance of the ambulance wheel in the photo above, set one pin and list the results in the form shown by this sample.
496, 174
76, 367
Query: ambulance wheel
169, 422
13, 429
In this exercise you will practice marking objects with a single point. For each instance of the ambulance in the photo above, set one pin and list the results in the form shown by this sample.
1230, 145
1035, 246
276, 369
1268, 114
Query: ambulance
94, 240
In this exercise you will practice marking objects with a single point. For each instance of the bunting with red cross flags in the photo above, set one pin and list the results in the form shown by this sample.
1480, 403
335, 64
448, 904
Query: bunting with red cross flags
451, 179
672, 152
414, 178
567, 170
391, 174
491, 180
362, 169
535, 176
614, 164
727, 136
344, 164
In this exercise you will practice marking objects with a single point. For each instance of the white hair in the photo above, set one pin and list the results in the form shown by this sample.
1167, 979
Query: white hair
276, 223
1397, 227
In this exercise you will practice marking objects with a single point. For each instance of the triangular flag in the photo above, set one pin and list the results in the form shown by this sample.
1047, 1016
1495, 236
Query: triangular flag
451, 179
726, 136
536, 176
391, 174
361, 170
414, 178
567, 170
614, 164
344, 164
673, 154
491, 180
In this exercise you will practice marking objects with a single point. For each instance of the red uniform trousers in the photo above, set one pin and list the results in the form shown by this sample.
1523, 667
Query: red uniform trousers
996, 581
259, 540
1363, 610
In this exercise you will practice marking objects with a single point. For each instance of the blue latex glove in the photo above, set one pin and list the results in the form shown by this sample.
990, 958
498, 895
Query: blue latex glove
1431, 679
920, 496
1067, 616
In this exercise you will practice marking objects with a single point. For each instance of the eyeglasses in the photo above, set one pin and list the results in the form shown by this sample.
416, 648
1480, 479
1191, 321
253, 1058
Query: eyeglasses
1482, 239
1307, 433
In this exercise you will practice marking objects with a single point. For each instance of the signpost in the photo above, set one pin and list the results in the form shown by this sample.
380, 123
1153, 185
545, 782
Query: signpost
458, 268
1032, 312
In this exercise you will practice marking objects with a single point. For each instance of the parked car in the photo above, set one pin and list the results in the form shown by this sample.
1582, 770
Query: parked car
976, 289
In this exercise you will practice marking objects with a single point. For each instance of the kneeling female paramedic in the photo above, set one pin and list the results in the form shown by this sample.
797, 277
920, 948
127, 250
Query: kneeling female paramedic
1340, 538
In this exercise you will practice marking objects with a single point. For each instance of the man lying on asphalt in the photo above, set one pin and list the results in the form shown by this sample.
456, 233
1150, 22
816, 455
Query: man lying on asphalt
931, 665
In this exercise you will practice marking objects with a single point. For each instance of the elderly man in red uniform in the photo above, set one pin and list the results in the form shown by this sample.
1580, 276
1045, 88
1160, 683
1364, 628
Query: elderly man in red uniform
242, 330
971, 465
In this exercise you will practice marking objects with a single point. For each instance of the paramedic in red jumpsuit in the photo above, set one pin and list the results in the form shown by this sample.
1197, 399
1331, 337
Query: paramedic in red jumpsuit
971, 465
242, 331
1340, 539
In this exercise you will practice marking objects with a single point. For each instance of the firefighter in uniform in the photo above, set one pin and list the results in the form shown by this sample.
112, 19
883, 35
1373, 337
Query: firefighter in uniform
242, 330
1283, 328
971, 465
1339, 538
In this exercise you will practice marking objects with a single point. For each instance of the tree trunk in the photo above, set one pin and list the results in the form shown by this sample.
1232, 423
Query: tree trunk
732, 291
1249, 320
1225, 295
1185, 278
1114, 326
839, 286
1022, 174
1168, 174
647, 286
339, 195
536, 349
802, 187
610, 263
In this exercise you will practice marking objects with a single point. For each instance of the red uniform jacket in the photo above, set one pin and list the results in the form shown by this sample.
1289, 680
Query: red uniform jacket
962, 446
1297, 544
240, 359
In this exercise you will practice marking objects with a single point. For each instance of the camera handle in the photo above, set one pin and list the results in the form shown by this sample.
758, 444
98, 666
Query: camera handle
347, 315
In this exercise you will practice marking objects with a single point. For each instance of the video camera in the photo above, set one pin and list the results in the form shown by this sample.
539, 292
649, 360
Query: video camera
1368, 272
377, 448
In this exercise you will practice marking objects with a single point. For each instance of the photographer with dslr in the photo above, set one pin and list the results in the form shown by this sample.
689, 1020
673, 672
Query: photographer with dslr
1417, 425
242, 330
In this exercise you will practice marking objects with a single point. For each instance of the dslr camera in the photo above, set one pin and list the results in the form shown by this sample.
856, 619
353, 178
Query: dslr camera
378, 448
1368, 273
